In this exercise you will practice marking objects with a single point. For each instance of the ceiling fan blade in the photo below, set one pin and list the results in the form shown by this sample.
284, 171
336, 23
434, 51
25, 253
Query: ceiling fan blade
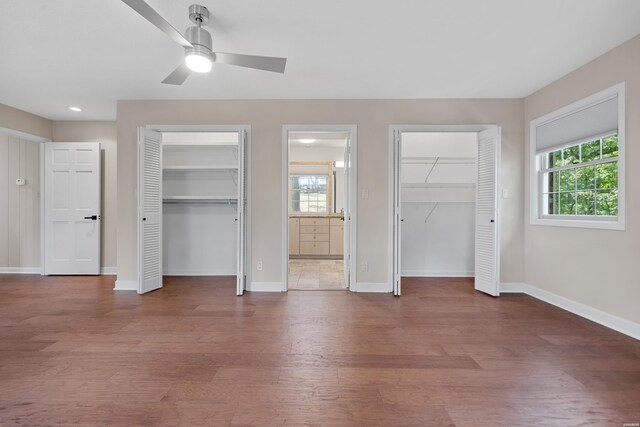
266, 63
154, 17
178, 76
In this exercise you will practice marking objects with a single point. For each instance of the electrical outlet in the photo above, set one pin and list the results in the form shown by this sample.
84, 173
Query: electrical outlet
259, 266
21, 181
505, 193
365, 266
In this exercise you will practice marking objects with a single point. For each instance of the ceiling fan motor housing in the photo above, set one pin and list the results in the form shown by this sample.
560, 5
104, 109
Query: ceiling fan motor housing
196, 35
199, 38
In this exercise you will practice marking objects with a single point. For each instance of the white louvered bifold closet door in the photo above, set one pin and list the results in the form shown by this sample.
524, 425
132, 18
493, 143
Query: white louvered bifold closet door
149, 210
487, 239
242, 213
397, 213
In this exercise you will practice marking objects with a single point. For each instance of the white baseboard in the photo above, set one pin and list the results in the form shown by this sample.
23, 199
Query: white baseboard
19, 270
513, 288
265, 287
378, 287
126, 285
611, 321
108, 271
437, 273
188, 272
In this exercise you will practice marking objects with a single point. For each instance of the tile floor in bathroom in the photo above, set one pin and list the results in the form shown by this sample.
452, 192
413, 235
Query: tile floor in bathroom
316, 274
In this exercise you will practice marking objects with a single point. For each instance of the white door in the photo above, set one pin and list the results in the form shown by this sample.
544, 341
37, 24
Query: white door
242, 213
397, 218
347, 214
149, 210
72, 208
487, 266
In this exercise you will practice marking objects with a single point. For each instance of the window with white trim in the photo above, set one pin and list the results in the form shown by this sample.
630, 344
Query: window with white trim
308, 193
577, 159
582, 180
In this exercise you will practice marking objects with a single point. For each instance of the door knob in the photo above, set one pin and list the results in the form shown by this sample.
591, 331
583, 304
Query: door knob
92, 217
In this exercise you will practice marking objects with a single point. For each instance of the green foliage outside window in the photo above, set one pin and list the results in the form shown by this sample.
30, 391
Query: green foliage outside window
591, 189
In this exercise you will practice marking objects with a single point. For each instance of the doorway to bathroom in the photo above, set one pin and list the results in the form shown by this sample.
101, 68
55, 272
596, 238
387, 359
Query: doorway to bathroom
318, 184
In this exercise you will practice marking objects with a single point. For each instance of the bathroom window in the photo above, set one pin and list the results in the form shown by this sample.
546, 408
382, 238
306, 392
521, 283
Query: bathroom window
308, 193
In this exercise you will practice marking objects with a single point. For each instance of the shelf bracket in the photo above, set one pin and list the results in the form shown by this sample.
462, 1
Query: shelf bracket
431, 212
431, 170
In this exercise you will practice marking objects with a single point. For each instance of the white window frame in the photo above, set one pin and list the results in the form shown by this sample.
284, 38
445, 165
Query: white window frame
327, 192
536, 187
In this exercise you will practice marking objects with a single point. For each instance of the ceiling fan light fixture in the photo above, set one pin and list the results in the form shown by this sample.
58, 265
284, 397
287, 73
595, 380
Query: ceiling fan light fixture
198, 61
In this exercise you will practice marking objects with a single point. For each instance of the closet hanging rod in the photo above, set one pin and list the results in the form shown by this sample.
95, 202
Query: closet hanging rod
441, 160
437, 185
442, 202
201, 201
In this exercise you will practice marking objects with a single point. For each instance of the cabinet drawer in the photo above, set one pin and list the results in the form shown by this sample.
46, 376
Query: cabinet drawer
314, 248
294, 236
335, 221
314, 221
314, 237
314, 229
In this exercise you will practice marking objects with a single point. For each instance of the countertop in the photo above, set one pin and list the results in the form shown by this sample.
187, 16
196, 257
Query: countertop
331, 215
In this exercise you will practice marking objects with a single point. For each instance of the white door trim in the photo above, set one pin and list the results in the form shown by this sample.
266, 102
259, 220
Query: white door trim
392, 167
353, 229
225, 128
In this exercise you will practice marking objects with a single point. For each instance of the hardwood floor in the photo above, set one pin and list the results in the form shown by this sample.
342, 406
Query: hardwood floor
72, 351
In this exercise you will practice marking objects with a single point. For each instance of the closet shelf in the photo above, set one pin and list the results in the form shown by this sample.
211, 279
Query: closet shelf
442, 202
199, 168
439, 160
438, 185
200, 199
189, 144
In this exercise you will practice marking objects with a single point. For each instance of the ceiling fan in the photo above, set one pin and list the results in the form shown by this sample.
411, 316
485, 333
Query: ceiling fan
197, 44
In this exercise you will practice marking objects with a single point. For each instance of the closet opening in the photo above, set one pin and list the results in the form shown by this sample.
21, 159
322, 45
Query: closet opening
192, 206
445, 205
320, 211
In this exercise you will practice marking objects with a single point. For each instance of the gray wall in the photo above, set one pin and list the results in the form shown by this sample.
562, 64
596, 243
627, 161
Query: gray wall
372, 117
19, 205
598, 268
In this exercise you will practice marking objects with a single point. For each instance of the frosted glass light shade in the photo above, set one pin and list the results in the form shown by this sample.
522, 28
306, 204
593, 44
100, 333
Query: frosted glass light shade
198, 62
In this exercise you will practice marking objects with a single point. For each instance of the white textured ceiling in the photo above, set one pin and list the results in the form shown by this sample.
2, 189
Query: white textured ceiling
93, 52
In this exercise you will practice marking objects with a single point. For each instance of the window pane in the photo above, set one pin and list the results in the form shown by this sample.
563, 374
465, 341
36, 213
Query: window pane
309, 193
568, 180
555, 159
553, 182
586, 178
607, 175
607, 202
585, 202
610, 146
591, 151
571, 155
567, 204
552, 203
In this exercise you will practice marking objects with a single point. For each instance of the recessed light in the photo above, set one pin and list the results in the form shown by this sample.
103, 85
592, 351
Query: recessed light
78, 109
307, 140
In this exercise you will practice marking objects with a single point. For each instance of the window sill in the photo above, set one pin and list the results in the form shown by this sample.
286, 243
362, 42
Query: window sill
580, 223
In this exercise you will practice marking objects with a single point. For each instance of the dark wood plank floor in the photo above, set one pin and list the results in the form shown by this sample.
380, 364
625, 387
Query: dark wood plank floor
72, 351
